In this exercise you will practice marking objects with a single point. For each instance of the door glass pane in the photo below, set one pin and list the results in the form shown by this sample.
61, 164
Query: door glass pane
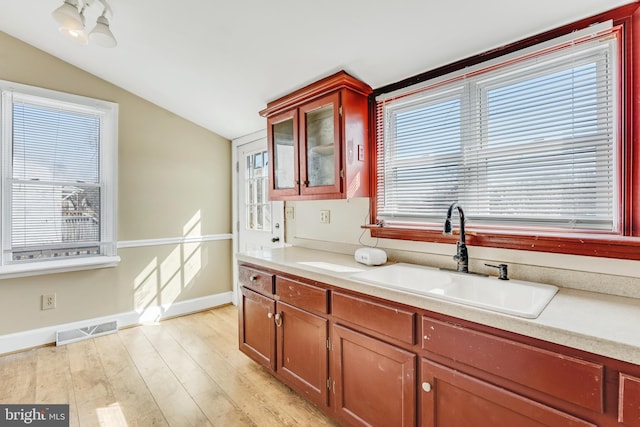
249, 166
283, 152
258, 207
320, 149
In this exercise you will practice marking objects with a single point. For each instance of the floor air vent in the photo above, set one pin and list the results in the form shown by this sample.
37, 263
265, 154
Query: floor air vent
73, 335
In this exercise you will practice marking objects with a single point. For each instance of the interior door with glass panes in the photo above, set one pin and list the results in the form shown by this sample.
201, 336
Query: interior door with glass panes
260, 224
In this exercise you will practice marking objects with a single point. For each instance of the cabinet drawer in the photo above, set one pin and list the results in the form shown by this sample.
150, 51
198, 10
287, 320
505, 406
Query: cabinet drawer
568, 378
302, 295
259, 281
384, 319
629, 401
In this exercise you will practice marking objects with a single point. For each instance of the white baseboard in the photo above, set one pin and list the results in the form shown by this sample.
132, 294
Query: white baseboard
36, 337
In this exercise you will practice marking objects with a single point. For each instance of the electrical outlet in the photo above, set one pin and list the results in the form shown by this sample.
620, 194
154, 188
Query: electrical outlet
48, 301
288, 213
325, 217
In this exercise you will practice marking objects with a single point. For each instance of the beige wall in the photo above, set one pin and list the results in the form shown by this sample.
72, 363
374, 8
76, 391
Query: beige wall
343, 234
174, 181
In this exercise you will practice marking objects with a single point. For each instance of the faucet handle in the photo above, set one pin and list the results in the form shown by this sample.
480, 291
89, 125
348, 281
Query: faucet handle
503, 272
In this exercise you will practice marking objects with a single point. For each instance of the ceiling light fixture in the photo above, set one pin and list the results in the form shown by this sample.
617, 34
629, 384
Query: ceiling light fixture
71, 17
101, 33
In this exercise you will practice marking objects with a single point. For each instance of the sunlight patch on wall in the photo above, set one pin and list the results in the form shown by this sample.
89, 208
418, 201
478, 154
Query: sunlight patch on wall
193, 227
171, 276
192, 253
146, 286
160, 283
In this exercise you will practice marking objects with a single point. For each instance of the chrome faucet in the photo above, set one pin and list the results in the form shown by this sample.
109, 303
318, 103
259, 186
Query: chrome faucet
462, 256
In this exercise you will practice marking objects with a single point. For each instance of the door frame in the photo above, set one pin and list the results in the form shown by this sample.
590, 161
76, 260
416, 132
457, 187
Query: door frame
235, 208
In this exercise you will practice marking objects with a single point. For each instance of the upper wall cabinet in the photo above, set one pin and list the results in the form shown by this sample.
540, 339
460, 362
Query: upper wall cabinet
318, 138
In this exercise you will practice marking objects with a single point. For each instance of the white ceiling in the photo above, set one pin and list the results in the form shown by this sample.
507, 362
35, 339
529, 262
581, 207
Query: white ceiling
218, 63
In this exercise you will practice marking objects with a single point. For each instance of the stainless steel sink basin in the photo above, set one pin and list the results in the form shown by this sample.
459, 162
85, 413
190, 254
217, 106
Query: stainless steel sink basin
515, 297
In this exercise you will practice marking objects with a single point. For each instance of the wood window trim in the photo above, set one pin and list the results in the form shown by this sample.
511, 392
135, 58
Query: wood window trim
622, 246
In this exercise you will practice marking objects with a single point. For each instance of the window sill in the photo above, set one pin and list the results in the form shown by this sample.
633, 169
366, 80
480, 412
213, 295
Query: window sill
606, 246
57, 266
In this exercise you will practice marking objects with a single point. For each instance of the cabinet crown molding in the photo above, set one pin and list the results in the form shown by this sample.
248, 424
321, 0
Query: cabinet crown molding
339, 80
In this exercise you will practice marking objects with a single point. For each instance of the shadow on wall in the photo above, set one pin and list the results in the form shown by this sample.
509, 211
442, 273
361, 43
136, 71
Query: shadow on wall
160, 283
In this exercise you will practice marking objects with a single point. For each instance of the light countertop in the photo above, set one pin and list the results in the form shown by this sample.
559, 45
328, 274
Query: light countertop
598, 323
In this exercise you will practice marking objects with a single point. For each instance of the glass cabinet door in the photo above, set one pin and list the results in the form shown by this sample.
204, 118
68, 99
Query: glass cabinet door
320, 139
283, 140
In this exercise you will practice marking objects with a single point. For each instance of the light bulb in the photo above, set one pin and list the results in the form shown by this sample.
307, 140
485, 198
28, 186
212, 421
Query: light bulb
78, 36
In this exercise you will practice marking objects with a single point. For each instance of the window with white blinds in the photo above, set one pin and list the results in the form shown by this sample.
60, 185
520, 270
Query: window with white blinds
58, 176
530, 140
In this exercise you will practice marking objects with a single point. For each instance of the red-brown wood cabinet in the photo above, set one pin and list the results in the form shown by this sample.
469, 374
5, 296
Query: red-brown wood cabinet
375, 377
452, 398
371, 362
285, 331
317, 141
256, 308
374, 381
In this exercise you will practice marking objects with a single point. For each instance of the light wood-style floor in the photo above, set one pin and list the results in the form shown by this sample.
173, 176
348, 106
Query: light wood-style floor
181, 372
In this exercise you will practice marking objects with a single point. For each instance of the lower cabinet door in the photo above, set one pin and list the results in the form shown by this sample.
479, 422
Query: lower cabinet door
449, 398
302, 352
374, 382
629, 398
257, 328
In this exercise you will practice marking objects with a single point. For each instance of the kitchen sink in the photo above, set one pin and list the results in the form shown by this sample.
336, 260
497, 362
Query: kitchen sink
515, 297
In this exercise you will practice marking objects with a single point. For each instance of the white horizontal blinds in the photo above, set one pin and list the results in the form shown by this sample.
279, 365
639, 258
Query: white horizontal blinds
55, 181
529, 142
422, 153
547, 149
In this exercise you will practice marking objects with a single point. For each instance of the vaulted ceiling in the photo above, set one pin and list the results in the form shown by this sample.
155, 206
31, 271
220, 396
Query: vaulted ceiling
218, 63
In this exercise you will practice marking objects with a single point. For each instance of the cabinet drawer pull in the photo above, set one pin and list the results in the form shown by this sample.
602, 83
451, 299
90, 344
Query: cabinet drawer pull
253, 278
269, 315
278, 318
426, 387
